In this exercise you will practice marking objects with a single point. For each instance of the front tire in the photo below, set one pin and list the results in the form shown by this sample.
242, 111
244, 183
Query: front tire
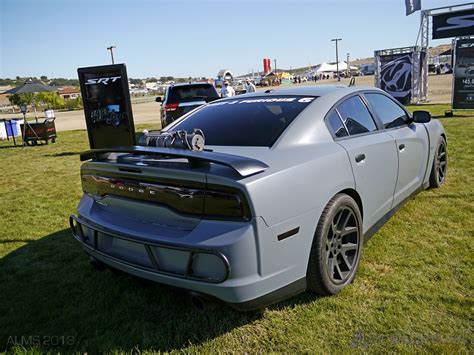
440, 164
336, 248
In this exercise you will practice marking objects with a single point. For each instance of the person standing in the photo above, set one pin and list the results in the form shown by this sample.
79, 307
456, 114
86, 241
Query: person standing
249, 87
227, 90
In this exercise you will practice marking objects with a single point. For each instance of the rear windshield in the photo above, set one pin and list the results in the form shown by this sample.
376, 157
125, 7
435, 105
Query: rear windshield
256, 121
202, 92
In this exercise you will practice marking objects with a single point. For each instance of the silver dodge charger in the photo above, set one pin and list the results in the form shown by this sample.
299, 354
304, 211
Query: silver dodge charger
255, 198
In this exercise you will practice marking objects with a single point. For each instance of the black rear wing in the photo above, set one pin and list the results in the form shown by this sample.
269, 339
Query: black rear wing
242, 165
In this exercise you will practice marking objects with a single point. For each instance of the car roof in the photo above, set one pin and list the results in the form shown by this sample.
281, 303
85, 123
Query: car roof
190, 84
310, 90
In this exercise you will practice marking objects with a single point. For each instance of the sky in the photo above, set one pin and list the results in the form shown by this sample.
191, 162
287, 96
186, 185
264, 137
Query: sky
194, 38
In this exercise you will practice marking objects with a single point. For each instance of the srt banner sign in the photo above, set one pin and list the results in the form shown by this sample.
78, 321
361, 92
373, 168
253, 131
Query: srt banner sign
463, 85
107, 106
412, 6
453, 24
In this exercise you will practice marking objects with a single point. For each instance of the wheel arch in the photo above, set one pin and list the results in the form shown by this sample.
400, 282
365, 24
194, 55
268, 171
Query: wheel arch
355, 195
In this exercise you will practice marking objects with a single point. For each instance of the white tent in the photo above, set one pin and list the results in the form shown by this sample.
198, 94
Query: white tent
332, 67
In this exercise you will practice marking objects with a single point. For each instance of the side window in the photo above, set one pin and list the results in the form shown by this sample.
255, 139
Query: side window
335, 125
356, 116
388, 111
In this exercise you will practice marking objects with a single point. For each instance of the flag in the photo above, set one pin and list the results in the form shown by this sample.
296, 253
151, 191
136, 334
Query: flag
412, 6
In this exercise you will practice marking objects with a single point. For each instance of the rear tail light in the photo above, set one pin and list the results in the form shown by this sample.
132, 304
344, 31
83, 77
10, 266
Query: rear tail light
225, 205
171, 107
219, 203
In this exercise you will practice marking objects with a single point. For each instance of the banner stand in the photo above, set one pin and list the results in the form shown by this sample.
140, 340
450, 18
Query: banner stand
447, 22
400, 72
107, 106
463, 74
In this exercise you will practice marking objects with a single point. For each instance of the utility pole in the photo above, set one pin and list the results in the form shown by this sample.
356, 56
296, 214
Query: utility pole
348, 65
111, 49
337, 57
275, 61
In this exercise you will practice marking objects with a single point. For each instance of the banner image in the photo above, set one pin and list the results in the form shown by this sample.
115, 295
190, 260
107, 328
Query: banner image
107, 106
463, 80
395, 75
412, 6
453, 24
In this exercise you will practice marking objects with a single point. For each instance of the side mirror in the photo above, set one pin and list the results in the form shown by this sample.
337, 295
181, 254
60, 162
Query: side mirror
158, 99
421, 117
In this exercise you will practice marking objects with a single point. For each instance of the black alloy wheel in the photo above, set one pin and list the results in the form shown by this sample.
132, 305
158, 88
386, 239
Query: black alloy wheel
342, 245
440, 164
441, 156
336, 248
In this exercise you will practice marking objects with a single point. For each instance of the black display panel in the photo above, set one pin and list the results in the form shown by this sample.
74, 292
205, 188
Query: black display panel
107, 106
463, 80
396, 75
453, 24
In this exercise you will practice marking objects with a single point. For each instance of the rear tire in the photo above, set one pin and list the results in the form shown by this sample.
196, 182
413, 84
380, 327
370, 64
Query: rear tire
440, 164
336, 248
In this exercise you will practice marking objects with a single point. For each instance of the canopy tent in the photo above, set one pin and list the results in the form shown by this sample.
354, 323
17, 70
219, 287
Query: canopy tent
31, 87
270, 75
332, 67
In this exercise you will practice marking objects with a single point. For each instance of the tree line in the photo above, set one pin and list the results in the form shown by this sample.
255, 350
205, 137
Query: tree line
42, 79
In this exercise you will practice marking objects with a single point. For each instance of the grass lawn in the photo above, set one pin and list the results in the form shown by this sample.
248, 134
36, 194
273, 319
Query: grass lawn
413, 292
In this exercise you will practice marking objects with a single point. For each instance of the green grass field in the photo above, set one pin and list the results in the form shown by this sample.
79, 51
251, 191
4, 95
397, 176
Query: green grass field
413, 292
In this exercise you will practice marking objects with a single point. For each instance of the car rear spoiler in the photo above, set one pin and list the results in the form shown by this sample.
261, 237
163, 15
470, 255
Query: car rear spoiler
242, 165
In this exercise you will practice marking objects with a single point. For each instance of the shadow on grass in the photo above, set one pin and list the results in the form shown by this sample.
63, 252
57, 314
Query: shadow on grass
54, 300
11, 146
63, 154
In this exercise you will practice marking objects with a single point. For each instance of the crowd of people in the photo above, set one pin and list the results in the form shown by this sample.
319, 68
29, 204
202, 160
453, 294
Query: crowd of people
228, 91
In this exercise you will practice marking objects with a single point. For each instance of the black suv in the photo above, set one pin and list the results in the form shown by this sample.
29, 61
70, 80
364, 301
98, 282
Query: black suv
182, 98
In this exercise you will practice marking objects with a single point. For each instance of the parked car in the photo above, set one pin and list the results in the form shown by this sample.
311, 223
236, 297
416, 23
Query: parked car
260, 81
367, 69
183, 98
289, 186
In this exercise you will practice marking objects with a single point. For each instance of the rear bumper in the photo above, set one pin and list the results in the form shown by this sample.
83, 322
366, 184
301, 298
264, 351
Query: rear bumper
178, 261
206, 270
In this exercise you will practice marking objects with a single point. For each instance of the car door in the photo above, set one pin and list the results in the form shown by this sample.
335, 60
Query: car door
411, 142
372, 154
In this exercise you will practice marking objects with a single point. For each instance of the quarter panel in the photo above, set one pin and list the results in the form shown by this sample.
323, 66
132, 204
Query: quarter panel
304, 179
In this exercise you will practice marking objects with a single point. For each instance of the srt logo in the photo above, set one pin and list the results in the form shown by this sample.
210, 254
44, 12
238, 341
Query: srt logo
458, 22
466, 45
104, 81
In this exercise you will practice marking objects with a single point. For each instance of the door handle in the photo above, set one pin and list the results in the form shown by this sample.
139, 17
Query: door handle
401, 147
359, 158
